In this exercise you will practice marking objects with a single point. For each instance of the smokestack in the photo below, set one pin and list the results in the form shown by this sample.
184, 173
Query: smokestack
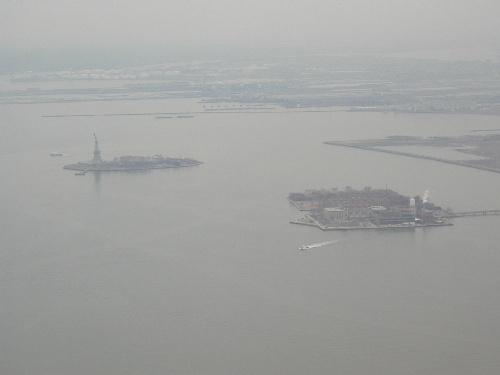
425, 198
413, 209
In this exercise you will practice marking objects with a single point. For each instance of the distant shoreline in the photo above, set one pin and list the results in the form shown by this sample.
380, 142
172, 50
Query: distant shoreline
270, 111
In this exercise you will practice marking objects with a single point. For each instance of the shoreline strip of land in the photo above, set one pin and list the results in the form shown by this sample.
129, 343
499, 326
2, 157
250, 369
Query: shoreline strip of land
460, 163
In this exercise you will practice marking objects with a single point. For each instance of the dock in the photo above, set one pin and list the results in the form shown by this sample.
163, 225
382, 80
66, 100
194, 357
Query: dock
473, 213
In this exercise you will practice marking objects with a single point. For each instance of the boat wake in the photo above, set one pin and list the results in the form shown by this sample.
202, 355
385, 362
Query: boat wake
318, 244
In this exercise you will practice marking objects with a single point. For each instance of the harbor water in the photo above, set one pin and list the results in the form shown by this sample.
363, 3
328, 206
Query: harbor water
197, 270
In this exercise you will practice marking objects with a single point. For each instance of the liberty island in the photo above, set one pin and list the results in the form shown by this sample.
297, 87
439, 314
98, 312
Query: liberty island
129, 162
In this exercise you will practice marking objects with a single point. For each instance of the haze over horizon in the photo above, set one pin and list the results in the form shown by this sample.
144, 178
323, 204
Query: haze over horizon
52, 31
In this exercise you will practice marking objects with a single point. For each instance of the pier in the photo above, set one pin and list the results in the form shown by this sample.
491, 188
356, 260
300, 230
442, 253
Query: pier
473, 213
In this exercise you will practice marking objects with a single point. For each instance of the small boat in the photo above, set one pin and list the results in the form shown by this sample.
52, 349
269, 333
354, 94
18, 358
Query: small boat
306, 247
81, 173
54, 154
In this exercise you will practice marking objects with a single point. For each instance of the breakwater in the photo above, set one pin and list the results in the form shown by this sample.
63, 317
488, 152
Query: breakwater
461, 163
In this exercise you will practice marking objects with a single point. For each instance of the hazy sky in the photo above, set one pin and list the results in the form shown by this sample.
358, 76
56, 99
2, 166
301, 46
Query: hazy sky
336, 25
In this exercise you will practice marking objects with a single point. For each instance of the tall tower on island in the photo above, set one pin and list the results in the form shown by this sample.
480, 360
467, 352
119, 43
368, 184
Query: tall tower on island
97, 153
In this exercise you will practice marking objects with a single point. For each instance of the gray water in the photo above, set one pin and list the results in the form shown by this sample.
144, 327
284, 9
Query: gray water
197, 271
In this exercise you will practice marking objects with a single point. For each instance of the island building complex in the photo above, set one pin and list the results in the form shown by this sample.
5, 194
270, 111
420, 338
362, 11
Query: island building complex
365, 209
